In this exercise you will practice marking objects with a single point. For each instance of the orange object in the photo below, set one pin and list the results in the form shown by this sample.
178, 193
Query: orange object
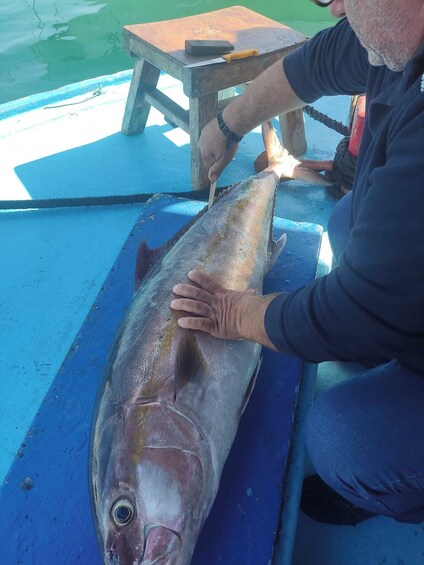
357, 127
240, 55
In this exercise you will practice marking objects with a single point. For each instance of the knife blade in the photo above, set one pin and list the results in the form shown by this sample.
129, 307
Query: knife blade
229, 58
211, 194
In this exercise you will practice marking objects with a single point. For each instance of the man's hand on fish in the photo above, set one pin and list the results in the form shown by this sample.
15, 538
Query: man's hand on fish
226, 314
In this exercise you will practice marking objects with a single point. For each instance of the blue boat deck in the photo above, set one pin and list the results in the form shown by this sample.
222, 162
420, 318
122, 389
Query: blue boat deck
67, 143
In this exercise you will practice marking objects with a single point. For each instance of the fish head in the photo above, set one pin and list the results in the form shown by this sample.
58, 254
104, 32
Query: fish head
132, 541
150, 502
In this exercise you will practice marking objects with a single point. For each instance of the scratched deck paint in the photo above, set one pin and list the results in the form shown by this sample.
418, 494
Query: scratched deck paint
46, 493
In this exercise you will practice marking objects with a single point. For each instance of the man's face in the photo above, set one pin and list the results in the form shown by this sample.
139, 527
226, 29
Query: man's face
390, 30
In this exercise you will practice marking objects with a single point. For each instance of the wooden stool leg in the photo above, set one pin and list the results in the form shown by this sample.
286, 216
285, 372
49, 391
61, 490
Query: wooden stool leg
201, 111
137, 109
293, 132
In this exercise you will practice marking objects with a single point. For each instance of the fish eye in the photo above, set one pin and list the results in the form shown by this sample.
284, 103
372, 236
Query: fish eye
122, 512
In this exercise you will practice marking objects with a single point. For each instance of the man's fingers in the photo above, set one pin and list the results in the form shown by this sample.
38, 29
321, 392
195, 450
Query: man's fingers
192, 306
193, 292
214, 171
201, 324
216, 168
205, 281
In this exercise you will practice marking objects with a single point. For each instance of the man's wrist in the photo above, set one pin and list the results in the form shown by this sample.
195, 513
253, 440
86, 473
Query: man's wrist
234, 117
250, 319
230, 136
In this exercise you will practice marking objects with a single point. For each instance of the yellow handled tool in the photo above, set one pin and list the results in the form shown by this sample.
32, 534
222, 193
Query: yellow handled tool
240, 55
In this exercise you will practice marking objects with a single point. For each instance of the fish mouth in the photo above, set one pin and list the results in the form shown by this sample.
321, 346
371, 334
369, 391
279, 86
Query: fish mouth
162, 547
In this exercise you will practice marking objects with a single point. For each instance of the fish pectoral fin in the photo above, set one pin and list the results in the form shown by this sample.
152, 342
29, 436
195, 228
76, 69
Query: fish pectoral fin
277, 248
190, 365
250, 388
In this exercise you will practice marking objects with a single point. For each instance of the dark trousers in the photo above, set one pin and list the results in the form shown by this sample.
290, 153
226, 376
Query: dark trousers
365, 436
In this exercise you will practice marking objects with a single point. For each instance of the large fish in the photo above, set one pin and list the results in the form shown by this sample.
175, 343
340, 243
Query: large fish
172, 399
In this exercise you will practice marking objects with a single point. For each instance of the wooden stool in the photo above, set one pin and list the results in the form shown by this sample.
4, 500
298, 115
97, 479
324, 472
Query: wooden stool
160, 46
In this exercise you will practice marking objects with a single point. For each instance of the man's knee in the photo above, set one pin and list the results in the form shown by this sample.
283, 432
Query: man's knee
337, 445
327, 435
358, 453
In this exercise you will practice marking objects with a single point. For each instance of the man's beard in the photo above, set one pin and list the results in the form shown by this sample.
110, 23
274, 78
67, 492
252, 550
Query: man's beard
374, 58
396, 62
395, 56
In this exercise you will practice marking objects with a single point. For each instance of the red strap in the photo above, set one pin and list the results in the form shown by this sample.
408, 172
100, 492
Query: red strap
357, 127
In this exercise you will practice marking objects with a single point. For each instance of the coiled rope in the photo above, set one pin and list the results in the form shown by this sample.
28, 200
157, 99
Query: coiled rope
339, 127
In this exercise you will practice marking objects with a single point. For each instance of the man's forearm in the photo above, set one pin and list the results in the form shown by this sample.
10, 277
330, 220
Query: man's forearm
269, 95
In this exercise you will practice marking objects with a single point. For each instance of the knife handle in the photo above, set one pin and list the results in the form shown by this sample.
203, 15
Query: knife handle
240, 55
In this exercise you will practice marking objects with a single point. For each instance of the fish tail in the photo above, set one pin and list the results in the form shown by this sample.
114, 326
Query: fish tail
285, 165
278, 158
272, 144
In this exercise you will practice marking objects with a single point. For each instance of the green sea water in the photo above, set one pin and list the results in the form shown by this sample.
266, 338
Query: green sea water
45, 44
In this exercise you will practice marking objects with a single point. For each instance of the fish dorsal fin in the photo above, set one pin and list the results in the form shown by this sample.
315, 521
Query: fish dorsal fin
190, 365
146, 259
276, 249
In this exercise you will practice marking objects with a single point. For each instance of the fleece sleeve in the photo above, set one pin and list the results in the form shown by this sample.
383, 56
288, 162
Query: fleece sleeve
371, 308
332, 62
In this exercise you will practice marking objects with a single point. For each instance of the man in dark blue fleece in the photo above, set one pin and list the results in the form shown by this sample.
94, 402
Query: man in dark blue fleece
365, 435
